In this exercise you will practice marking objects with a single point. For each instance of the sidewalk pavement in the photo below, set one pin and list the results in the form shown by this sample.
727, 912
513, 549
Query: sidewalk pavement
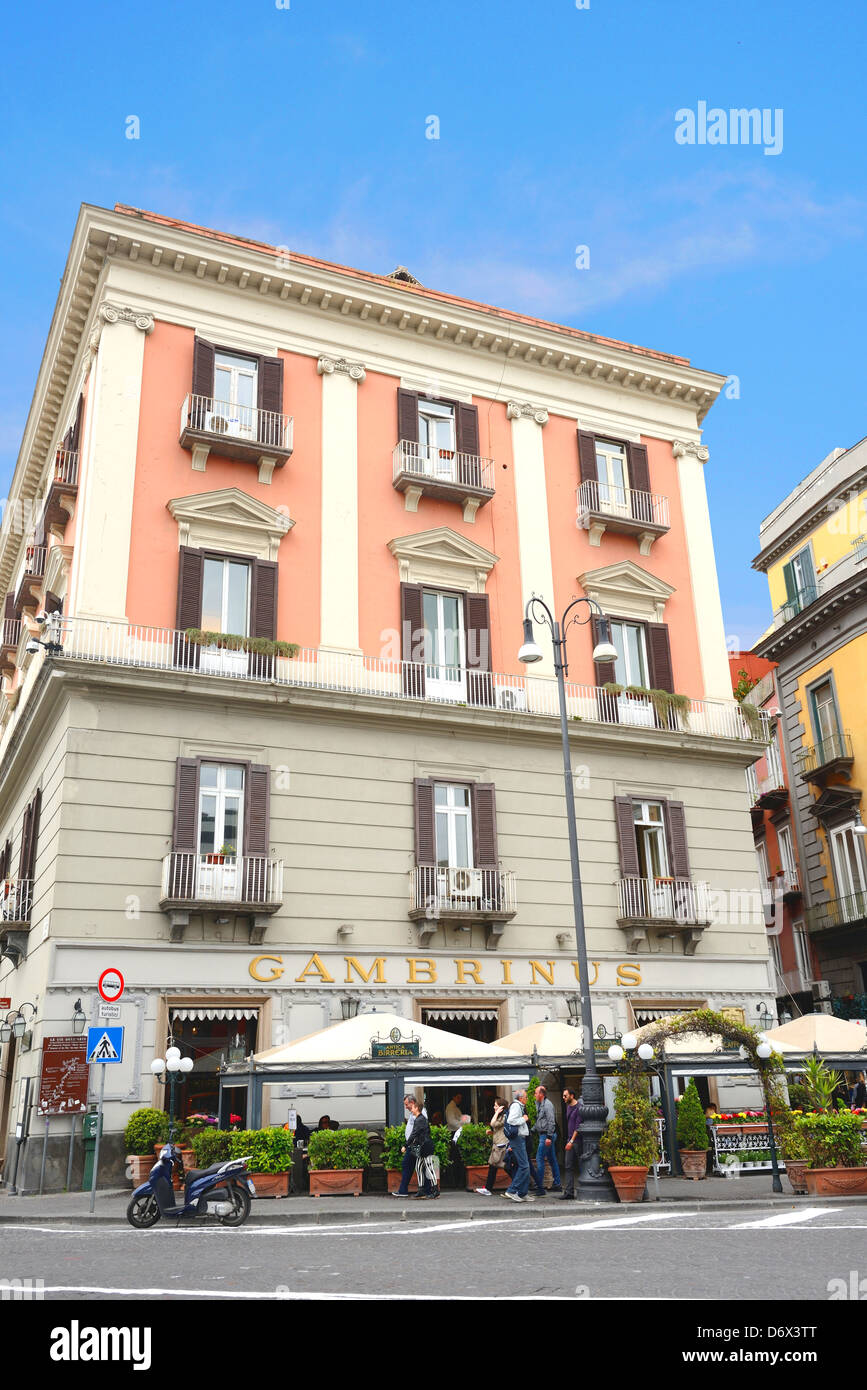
714, 1194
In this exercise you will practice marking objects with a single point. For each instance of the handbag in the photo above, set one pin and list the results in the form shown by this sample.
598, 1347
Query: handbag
510, 1163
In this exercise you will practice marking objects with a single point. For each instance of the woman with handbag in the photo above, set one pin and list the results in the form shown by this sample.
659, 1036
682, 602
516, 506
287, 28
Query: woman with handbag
422, 1146
499, 1145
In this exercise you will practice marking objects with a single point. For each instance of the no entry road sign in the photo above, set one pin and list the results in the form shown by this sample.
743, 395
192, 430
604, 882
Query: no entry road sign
110, 985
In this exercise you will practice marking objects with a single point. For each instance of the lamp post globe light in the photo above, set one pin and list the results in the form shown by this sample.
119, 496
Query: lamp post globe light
171, 1067
593, 1182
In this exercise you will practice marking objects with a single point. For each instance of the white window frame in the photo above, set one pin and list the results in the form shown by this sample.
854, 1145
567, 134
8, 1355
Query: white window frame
217, 660
774, 762
656, 829
764, 872
631, 677
444, 680
611, 459
437, 458
241, 418
801, 942
222, 794
787, 854
453, 813
846, 888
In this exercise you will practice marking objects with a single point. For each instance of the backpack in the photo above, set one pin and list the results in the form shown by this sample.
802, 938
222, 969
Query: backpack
513, 1131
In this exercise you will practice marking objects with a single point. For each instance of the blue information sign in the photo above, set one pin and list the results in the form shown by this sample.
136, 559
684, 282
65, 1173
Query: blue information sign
104, 1044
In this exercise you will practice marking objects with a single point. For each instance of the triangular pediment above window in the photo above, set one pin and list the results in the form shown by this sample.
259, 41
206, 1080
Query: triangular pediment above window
443, 557
229, 519
626, 590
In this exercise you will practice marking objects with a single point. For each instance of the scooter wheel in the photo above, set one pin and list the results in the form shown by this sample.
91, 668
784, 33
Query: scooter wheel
143, 1211
240, 1199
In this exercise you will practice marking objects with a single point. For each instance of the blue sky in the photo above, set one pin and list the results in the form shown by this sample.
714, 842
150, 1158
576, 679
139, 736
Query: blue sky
306, 126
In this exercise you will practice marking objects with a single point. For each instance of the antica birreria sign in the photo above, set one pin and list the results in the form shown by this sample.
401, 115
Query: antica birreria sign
325, 969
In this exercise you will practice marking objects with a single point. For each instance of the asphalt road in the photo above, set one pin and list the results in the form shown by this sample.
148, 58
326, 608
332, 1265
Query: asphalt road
743, 1254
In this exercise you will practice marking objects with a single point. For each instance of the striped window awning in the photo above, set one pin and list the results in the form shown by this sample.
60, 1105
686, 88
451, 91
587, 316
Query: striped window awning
448, 1015
206, 1013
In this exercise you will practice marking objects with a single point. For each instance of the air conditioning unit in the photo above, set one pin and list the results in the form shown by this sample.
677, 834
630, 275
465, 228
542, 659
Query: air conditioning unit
510, 697
821, 989
217, 423
465, 883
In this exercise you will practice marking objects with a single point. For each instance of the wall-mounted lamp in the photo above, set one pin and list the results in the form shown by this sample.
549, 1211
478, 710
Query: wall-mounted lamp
79, 1018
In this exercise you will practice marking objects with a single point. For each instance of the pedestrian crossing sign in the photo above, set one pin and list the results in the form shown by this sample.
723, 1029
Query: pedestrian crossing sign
104, 1044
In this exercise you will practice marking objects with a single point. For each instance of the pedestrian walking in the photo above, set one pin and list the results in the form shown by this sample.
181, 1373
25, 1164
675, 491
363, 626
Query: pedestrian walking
422, 1146
516, 1131
858, 1093
407, 1166
499, 1144
573, 1143
546, 1128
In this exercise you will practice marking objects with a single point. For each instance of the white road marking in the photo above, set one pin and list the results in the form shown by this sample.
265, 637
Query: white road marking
330, 1296
786, 1218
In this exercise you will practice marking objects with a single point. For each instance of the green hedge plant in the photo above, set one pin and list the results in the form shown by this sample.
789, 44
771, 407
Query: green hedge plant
211, 1146
338, 1149
268, 1150
394, 1141
691, 1128
474, 1144
833, 1140
236, 642
630, 1139
144, 1128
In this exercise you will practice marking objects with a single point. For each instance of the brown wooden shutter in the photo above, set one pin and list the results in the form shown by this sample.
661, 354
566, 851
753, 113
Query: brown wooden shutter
53, 604
6, 860
412, 638
425, 828
477, 632
467, 428
675, 821
659, 657
203, 368
75, 432
9, 606
191, 567
257, 831
263, 605
25, 840
182, 878
407, 415
587, 457
29, 836
485, 825
639, 469
626, 840
270, 400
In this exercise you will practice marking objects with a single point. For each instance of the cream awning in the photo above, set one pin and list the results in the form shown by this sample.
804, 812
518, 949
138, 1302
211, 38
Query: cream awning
446, 1015
827, 1033
350, 1041
206, 1013
551, 1038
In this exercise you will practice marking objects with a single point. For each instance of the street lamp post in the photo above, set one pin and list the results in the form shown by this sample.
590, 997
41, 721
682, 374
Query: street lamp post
593, 1182
173, 1064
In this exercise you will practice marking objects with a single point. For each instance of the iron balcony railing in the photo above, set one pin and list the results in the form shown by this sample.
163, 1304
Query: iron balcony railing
665, 900
838, 912
791, 881
11, 632
860, 548
66, 468
827, 750
447, 466
796, 605
602, 499
165, 649
245, 423
248, 879
16, 899
434, 891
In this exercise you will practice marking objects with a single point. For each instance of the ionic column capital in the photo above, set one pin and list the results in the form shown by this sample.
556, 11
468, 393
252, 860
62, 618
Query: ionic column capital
523, 410
326, 366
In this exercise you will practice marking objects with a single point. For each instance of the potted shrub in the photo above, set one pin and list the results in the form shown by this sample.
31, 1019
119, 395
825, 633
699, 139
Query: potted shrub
474, 1147
270, 1157
692, 1135
836, 1164
392, 1156
628, 1146
337, 1159
146, 1130
211, 1146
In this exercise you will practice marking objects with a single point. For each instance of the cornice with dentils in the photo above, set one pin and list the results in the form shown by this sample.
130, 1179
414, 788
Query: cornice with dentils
102, 236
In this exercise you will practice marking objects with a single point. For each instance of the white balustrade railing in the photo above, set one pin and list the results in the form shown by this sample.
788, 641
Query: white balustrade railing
66, 467
222, 878
16, 899
166, 649
11, 632
245, 423
434, 890
601, 499
427, 463
665, 900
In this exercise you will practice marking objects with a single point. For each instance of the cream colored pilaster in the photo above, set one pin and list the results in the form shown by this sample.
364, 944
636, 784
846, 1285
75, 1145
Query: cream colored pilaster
691, 458
339, 625
102, 547
531, 502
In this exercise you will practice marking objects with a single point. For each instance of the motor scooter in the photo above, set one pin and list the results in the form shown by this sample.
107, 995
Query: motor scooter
223, 1190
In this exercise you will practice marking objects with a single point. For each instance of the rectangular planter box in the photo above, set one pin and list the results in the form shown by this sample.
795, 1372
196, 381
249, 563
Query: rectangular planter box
477, 1174
271, 1184
336, 1182
836, 1182
392, 1176
138, 1167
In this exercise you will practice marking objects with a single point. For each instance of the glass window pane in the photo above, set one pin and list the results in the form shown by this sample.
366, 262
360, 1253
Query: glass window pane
234, 779
441, 796
654, 811
244, 389
222, 384
208, 775
212, 596
462, 796
620, 663
208, 822
442, 838
431, 624
462, 848
451, 631
239, 582
634, 655
230, 825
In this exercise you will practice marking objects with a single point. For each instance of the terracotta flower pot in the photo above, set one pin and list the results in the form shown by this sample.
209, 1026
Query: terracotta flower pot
392, 1176
477, 1174
138, 1167
336, 1182
796, 1169
694, 1163
271, 1184
836, 1182
629, 1180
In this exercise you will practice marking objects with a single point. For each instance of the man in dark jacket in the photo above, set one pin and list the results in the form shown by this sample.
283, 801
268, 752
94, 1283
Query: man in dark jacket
546, 1128
573, 1143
